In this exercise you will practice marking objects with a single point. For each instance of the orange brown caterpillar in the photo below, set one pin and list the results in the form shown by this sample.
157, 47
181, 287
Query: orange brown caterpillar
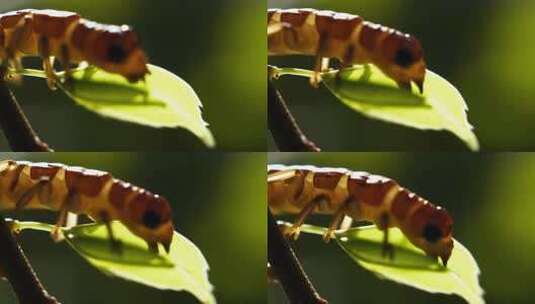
65, 35
362, 196
57, 187
348, 38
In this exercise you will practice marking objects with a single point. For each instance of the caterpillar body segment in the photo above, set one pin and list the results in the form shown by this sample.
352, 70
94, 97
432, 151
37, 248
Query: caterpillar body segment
57, 187
304, 190
65, 35
348, 38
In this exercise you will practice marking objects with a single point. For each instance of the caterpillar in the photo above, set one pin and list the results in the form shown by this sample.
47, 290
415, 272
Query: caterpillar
58, 187
65, 35
348, 38
304, 190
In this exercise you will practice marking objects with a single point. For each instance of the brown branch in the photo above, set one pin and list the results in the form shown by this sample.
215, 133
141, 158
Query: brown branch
283, 126
288, 269
13, 263
18, 271
17, 128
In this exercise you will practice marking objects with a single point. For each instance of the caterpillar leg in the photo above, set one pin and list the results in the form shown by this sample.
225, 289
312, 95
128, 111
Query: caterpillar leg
115, 245
335, 223
6, 74
347, 61
404, 85
19, 36
13, 62
65, 60
37, 189
51, 78
153, 247
57, 234
72, 200
388, 249
294, 231
321, 63
48, 62
16, 64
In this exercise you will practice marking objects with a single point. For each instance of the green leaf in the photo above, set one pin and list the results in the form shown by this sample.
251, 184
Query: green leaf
367, 246
184, 268
461, 277
367, 90
410, 266
163, 100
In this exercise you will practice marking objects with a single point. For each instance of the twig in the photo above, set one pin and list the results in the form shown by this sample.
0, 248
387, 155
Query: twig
18, 271
283, 126
13, 263
286, 266
17, 128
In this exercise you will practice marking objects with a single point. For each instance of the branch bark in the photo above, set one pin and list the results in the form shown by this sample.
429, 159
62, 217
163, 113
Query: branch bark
288, 269
19, 273
17, 128
283, 126
13, 263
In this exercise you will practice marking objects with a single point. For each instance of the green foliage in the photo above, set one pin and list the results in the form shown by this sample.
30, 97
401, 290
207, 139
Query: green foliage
183, 269
410, 265
367, 90
162, 100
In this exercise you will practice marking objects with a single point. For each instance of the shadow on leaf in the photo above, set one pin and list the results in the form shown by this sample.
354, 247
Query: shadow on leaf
360, 85
372, 252
92, 241
110, 93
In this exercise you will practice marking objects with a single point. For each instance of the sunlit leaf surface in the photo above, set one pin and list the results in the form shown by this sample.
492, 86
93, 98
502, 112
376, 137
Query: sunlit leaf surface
183, 269
368, 91
163, 100
410, 266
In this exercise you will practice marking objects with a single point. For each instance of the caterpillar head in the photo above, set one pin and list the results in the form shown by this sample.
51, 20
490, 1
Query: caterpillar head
403, 60
148, 216
115, 49
430, 228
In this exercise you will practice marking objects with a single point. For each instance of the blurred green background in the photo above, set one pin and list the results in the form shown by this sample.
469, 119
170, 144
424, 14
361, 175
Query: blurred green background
481, 47
216, 46
218, 202
490, 197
